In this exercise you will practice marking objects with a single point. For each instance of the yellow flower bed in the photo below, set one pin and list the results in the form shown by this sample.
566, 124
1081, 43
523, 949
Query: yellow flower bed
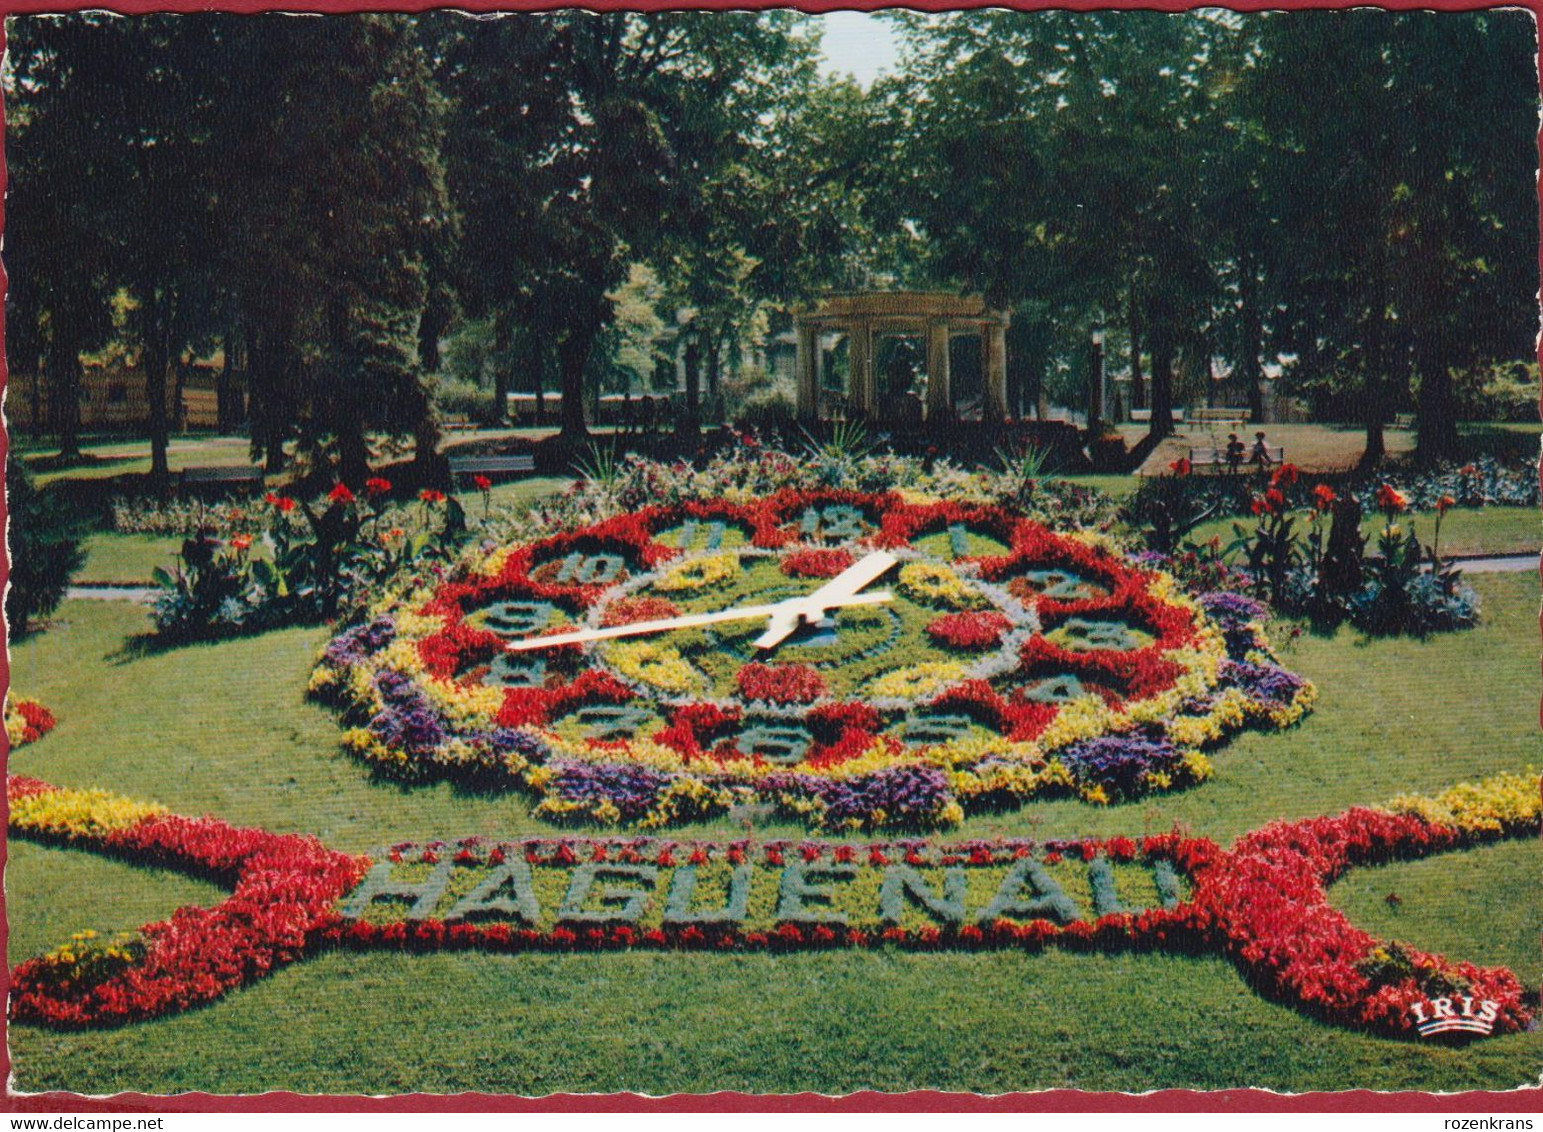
932, 584
87, 814
917, 681
1503, 803
658, 666
699, 573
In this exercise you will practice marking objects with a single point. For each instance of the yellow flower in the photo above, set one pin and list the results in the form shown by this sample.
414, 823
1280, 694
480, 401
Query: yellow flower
657, 665
933, 584
916, 681
699, 573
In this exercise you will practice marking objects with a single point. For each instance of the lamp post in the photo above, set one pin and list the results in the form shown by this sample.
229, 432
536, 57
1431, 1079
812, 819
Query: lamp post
1096, 381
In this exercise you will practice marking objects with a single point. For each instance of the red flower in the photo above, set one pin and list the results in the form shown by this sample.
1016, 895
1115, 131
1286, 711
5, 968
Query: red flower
1323, 497
482, 483
780, 683
376, 485
1444, 504
1285, 476
340, 494
1181, 466
1272, 502
430, 495
241, 542
969, 630
1391, 500
816, 563
282, 502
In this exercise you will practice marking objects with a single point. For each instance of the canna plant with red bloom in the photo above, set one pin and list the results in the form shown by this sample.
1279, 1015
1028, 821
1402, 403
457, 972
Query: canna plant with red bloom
282, 503
1181, 466
431, 495
376, 486
340, 494
1323, 497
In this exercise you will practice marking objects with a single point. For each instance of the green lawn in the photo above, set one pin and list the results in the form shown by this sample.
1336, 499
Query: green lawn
224, 729
1464, 530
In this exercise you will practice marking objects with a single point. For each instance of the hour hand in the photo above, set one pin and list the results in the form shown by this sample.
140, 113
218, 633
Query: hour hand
840, 590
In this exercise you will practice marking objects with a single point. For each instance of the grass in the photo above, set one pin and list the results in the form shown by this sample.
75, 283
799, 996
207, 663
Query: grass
1464, 530
225, 729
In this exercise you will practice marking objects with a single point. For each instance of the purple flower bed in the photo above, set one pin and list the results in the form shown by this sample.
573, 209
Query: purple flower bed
1120, 763
1265, 682
1233, 611
904, 793
631, 789
408, 722
356, 645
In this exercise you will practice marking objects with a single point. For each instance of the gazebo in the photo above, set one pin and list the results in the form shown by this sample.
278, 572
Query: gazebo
936, 317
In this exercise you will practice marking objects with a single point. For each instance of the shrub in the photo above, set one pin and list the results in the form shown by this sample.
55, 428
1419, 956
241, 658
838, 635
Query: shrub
464, 400
45, 550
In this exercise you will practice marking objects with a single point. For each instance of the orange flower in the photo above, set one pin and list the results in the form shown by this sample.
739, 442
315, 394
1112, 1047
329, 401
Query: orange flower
429, 495
1391, 500
242, 542
1444, 504
1323, 497
1180, 467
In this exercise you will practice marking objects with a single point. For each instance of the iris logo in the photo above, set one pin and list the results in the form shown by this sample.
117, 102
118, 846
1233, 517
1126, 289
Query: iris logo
1464, 1013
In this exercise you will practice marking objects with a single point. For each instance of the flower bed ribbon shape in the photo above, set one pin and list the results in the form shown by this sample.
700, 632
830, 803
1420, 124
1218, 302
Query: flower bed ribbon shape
1261, 903
1013, 662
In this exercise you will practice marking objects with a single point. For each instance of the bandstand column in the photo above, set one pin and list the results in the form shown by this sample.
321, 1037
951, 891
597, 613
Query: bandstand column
864, 389
940, 401
995, 403
807, 370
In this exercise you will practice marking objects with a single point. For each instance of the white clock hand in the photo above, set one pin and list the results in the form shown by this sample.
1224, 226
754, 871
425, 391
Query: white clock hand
690, 620
840, 590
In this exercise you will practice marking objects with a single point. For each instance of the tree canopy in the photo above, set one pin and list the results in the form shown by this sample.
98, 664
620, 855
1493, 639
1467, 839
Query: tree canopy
1346, 196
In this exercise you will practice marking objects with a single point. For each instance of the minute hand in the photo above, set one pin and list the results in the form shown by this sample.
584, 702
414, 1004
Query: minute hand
690, 620
840, 590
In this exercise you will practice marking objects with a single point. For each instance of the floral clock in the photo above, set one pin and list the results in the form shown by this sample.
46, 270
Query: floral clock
990, 660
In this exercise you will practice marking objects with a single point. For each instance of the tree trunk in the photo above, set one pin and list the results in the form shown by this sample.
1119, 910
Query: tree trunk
691, 419
156, 358
503, 333
1436, 439
1138, 393
713, 405
179, 410
1250, 339
224, 387
1372, 411
1162, 384
64, 378
572, 360
353, 456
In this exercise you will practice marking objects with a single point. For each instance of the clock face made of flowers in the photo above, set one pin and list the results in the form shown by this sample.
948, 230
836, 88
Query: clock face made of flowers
999, 661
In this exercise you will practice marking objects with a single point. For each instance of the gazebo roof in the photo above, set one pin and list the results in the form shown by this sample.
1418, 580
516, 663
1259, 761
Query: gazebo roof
898, 304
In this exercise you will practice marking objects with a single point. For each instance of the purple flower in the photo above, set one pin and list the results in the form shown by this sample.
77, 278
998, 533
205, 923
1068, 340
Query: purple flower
1119, 763
355, 645
631, 789
906, 794
1264, 682
1233, 611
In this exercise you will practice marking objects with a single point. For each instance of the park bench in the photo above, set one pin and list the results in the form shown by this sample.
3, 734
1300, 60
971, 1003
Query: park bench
1144, 416
491, 465
1217, 457
238, 476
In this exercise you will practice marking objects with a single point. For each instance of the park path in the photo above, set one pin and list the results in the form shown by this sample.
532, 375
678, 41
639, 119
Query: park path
1488, 564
